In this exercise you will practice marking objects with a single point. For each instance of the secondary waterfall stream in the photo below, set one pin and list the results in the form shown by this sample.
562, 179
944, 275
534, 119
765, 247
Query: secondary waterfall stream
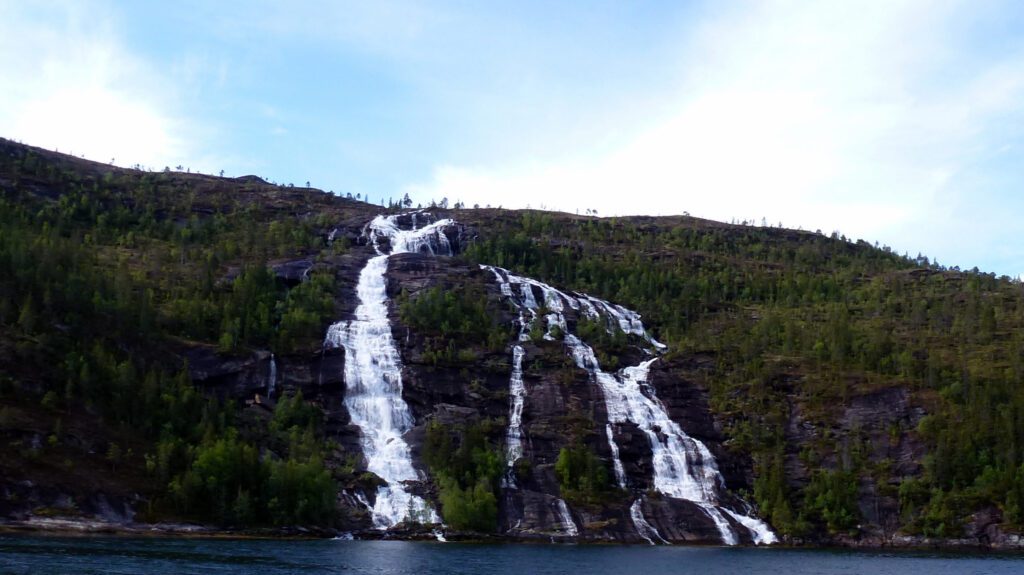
373, 375
683, 466
517, 390
566, 518
643, 528
272, 377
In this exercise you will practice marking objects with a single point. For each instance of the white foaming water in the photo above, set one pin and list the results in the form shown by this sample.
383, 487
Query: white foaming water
429, 239
361, 497
643, 528
759, 531
568, 525
620, 471
683, 467
514, 436
272, 377
627, 320
373, 376
723, 526
528, 299
516, 388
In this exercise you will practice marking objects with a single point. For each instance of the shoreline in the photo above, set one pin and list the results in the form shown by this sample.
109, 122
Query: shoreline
77, 527
69, 527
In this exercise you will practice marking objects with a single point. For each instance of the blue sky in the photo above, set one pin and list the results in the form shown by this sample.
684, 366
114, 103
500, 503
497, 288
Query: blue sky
897, 122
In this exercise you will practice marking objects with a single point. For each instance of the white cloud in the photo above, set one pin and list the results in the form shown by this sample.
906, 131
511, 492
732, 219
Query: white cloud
71, 84
867, 117
895, 121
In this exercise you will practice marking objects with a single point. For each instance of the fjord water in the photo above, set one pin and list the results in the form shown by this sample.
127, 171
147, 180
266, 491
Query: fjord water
95, 555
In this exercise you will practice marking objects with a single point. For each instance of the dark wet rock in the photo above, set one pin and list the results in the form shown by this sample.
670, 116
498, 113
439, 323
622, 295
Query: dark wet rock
531, 513
229, 375
110, 509
292, 272
680, 521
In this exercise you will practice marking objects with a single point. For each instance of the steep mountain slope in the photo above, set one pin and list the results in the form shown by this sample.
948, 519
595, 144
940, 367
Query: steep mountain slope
843, 392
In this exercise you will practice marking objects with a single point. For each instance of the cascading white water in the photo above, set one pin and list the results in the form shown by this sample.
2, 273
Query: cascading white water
568, 525
620, 471
516, 388
429, 238
683, 466
759, 531
272, 377
514, 436
628, 321
373, 375
723, 526
643, 528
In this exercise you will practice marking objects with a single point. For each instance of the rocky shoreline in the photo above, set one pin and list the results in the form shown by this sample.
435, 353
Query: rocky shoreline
64, 526
77, 526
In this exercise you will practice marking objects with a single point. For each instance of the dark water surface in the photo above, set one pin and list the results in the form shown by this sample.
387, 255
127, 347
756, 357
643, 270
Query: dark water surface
27, 554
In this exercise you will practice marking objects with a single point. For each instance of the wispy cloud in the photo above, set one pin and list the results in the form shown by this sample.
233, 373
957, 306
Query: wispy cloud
897, 121
875, 118
70, 83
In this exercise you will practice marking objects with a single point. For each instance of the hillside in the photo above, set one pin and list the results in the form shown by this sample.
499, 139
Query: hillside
847, 394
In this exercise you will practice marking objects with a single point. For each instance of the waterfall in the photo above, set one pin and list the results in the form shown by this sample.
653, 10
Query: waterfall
643, 528
723, 526
627, 320
620, 471
373, 375
272, 377
759, 531
516, 389
514, 436
568, 525
683, 467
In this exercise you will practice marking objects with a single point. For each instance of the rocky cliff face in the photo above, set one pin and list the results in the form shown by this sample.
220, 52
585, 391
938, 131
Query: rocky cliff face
563, 407
821, 375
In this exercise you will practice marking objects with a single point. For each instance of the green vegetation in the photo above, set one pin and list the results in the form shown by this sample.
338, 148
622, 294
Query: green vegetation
108, 275
454, 321
467, 468
230, 483
607, 341
831, 498
101, 273
800, 322
582, 476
